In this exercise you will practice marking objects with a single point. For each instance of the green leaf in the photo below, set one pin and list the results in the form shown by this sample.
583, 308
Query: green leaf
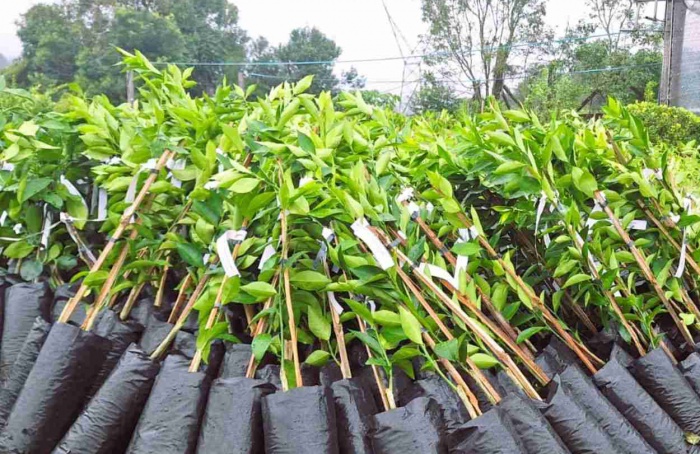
528, 333
30, 270
688, 319
508, 167
260, 344
387, 318
318, 323
576, 279
360, 309
18, 250
190, 254
32, 188
448, 350
466, 248
244, 185
310, 280
584, 181
405, 353
411, 326
484, 361
259, 289
319, 358
96, 278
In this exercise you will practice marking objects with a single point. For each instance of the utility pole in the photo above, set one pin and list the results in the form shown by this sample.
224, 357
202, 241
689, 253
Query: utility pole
241, 79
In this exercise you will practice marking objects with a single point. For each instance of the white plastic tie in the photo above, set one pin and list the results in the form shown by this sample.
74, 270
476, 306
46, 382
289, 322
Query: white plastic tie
224, 251
17, 228
7, 166
102, 204
328, 234
638, 225
381, 254
46, 231
540, 209
413, 209
268, 252
372, 306
304, 181
405, 196
650, 173
3, 218
335, 305
440, 273
429, 207
687, 202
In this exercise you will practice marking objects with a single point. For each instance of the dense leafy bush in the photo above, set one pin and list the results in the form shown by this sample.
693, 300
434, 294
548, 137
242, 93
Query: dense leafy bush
672, 125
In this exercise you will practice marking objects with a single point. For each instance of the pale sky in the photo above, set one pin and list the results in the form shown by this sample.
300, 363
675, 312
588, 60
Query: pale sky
360, 27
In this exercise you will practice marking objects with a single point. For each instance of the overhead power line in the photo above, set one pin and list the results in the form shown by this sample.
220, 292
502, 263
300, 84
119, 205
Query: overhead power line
395, 58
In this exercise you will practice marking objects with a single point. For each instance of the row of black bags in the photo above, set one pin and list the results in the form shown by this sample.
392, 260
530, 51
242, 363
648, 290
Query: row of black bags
101, 393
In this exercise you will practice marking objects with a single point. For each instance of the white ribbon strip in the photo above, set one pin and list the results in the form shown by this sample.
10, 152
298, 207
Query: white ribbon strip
268, 252
381, 254
304, 181
102, 204
405, 196
638, 225
413, 208
3, 218
440, 273
547, 240
540, 209
687, 202
649, 173
46, 231
220, 152
17, 228
224, 251
429, 207
334, 303
372, 306
328, 234
72, 190
7, 166
175, 164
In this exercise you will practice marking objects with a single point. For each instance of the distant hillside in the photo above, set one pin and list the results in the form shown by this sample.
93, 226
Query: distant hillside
3, 61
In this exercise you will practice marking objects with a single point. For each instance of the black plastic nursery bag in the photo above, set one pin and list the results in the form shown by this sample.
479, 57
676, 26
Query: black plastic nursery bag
414, 428
354, 411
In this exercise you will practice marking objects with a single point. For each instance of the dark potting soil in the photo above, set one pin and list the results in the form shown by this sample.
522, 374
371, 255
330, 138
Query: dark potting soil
122, 335
330, 373
107, 422
354, 411
23, 304
22, 366
55, 390
666, 384
635, 404
300, 420
172, 415
232, 422
416, 428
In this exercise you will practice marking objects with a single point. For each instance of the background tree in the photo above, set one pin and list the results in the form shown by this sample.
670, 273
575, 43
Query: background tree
434, 95
474, 39
304, 45
3, 61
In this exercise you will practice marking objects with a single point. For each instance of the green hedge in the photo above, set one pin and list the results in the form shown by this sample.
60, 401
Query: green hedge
672, 125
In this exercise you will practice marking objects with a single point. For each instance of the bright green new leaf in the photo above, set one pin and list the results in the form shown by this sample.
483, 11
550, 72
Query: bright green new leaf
411, 326
310, 280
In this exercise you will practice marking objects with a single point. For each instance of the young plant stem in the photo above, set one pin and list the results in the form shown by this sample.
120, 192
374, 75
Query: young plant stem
124, 222
649, 276
131, 300
468, 398
495, 313
260, 327
339, 334
474, 370
181, 297
161, 284
584, 355
608, 294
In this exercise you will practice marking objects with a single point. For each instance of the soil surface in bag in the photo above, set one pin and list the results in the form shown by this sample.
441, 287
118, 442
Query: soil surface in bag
529, 427
354, 410
60, 298
416, 428
172, 415
666, 384
301, 420
106, 423
270, 374
635, 404
122, 335
604, 414
55, 390
454, 413
691, 371
236, 360
487, 434
23, 365
232, 422
23, 303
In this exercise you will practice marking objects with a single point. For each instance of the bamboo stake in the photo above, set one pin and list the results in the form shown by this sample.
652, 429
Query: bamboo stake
474, 370
260, 328
288, 298
641, 261
124, 222
161, 284
495, 313
585, 356
339, 334
181, 296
